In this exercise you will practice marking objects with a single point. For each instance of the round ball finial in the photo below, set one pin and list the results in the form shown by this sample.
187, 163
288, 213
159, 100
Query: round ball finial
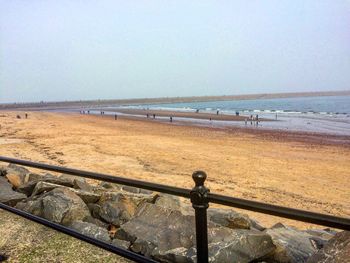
199, 177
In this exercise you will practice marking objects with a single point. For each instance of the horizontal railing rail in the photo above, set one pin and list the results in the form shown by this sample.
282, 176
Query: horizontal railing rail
200, 198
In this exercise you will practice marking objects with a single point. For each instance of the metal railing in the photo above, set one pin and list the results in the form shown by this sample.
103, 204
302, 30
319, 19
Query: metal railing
199, 196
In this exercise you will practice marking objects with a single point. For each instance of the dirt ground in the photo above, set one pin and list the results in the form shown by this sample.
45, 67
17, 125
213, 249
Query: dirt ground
310, 172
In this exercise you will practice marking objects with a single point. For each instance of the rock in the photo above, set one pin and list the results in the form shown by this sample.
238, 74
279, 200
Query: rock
32, 177
229, 218
42, 187
91, 230
94, 210
3, 170
154, 226
107, 185
238, 245
96, 222
179, 255
292, 245
60, 205
116, 208
121, 243
64, 206
135, 190
325, 234
7, 195
28, 187
139, 199
82, 185
337, 250
87, 197
167, 235
77, 182
131, 189
16, 175
168, 201
18, 169
49, 178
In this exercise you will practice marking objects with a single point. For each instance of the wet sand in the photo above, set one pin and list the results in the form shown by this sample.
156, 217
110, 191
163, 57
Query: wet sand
180, 114
300, 170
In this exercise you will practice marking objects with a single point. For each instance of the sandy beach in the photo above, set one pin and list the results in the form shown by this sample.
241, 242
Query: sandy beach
300, 170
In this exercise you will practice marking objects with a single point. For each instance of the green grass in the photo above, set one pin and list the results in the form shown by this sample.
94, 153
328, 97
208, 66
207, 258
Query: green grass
26, 241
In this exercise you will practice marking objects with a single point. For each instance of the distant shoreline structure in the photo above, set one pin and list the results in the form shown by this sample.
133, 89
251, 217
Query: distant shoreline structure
165, 100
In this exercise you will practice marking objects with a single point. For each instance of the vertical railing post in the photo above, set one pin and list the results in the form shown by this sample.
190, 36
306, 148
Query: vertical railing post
199, 200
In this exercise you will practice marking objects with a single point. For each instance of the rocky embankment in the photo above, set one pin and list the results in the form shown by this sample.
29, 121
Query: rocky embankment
161, 226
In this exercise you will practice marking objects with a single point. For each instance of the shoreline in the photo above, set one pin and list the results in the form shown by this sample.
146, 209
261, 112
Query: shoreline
222, 124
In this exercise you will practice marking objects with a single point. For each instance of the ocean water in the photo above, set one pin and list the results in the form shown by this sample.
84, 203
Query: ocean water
329, 114
330, 105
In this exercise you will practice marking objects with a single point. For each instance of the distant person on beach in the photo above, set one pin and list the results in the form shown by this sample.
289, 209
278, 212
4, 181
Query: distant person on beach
217, 112
88, 112
147, 115
116, 117
251, 119
237, 113
197, 110
276, 116
154, 116
26, 115
246, 120
171, 119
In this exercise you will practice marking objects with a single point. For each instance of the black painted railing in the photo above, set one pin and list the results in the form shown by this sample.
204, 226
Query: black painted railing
199, 196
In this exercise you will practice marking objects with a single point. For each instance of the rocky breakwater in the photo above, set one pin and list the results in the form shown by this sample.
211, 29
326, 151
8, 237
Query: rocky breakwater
161, 226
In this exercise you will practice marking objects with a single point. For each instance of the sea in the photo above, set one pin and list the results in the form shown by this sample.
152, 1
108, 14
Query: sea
329, 115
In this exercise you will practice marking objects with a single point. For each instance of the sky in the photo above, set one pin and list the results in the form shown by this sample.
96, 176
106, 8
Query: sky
81, 49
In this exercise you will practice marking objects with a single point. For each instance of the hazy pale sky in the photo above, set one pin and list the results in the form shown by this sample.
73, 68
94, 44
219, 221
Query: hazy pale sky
71, 50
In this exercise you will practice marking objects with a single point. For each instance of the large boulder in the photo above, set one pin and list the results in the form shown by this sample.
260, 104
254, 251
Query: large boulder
91, 230
292, 245
337, 250
7, 195
28, 187
77, 182
168, 201
16, 174
60, 205
116, 208
238, 245
229, 218
87, 197
155, 229
169, 236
